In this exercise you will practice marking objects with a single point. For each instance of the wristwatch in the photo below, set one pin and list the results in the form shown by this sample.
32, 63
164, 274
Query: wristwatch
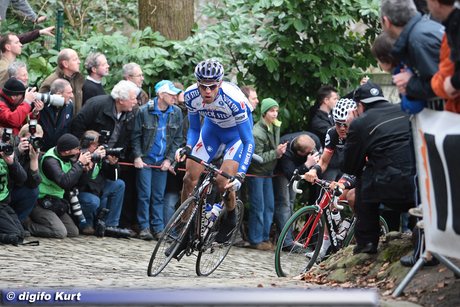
241, 175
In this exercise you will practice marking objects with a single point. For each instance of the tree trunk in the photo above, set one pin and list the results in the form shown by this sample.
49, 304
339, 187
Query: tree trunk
172, 18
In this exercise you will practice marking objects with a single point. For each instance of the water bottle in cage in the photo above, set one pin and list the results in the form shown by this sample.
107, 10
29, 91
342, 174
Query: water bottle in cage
336, 216
214, 214
344, 228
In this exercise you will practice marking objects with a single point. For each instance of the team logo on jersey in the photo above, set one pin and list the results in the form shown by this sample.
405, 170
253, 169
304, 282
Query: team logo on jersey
328, 139
242, 104
198, 146
230, 150
234, 107
209, 148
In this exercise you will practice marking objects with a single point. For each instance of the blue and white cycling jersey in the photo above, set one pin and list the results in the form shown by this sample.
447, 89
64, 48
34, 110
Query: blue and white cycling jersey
229, 113
228, 109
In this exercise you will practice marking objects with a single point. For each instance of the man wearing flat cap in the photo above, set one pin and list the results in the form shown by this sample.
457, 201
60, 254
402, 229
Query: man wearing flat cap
62, 169
377, 152
16, 103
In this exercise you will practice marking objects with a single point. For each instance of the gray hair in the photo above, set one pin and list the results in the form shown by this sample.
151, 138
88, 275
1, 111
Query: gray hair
122, 90
14, 67
398, 12
59, 85
92, 61
128, 69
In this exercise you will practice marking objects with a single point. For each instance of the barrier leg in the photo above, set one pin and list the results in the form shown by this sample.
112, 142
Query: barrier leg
418, 265
448, 264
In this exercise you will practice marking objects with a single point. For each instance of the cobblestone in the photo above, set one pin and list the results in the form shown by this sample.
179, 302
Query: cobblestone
108, 263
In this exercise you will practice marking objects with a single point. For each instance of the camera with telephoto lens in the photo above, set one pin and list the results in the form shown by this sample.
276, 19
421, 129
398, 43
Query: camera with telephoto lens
104, 139
4, 145
95, 157
75, 207
37, 142
110, 231
51, 99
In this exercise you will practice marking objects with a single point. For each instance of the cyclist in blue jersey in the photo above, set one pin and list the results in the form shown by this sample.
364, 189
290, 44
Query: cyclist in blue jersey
227, 130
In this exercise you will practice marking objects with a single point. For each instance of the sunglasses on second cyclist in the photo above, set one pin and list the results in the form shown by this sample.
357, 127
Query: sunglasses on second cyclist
211, 86
340, 125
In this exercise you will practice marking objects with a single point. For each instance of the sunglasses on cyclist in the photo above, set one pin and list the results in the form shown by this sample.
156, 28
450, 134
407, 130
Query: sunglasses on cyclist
211, 87
340, 125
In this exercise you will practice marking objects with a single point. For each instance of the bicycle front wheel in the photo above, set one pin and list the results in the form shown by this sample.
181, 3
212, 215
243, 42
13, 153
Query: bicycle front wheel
212, 253
292, 257
172, 235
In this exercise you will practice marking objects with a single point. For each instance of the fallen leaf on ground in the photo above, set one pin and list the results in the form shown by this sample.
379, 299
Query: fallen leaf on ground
441, 298
442, 269
441, 285
260, 286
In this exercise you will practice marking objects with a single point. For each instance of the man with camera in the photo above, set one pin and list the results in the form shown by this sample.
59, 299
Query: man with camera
54, 118
62, 169
11, 231
104, 189
109, 112
17, 102
25, 195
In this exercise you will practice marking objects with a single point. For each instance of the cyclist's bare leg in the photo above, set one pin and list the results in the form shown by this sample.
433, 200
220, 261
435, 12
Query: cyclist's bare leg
351, 199
230, 167
192, 173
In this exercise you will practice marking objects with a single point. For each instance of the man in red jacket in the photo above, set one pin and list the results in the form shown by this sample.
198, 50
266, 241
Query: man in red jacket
16, 103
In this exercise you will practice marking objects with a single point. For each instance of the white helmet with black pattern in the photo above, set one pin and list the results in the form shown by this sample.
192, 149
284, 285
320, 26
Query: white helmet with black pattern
342, 109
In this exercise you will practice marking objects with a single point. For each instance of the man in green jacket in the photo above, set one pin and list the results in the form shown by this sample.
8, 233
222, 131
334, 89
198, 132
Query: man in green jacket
266, 138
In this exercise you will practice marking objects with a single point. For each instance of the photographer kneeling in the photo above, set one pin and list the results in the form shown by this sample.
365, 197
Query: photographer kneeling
61, 171
104, 189
25, 195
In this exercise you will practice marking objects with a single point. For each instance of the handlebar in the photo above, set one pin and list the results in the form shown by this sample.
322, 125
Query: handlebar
322, 183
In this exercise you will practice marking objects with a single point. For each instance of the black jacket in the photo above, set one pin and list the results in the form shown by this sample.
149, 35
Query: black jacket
76, 176
418, 46
319, 125
98, 114
34, 178
97, 185
290, 160
453, 38
379, 141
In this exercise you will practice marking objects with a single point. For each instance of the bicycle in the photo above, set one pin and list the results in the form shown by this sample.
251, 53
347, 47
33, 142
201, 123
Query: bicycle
191, 214
308, 226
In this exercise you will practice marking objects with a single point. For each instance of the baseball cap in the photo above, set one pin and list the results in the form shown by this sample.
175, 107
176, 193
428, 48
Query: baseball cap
369, 92
166, 86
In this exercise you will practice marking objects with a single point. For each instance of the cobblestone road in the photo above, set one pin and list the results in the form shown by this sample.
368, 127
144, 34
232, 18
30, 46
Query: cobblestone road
88, 261
107, 263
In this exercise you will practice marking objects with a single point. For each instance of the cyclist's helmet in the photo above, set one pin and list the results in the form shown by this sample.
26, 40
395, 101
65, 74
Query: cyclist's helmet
342, 108
209, 70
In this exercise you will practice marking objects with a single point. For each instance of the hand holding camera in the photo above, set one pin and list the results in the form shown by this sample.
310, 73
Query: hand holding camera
85, 158
30, 94
38, 106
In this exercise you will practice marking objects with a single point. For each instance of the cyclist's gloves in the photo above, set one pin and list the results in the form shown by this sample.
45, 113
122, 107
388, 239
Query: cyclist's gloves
182, 151
237, 181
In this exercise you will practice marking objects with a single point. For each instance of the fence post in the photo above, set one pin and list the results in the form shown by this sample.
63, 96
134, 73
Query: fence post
59, 29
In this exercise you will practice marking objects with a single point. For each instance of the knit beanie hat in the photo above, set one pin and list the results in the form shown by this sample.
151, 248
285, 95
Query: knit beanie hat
14, 87
67, 142
267, 103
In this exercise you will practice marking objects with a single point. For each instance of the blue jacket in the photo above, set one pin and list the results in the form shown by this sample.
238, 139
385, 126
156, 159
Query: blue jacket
146, 128
418, 46
52, 128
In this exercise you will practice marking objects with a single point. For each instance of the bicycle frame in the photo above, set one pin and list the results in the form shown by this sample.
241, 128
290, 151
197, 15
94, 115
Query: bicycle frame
327, 199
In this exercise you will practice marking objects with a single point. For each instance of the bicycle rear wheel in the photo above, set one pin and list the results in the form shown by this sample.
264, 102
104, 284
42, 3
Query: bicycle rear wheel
172, 234
349, 239
212, 253
291, 259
